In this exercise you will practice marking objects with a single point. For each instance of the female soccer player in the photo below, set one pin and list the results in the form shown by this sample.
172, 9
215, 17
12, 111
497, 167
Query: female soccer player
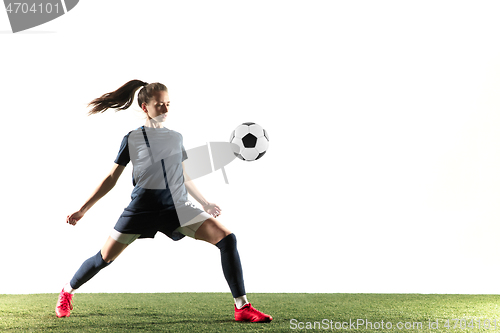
159, 198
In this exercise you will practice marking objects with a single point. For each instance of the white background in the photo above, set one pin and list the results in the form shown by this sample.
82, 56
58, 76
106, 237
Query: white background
383, 171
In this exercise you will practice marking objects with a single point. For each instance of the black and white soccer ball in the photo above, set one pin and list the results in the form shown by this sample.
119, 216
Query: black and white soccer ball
252, 141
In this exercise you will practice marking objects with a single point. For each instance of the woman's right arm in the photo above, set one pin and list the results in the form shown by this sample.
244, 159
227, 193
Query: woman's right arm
106, 185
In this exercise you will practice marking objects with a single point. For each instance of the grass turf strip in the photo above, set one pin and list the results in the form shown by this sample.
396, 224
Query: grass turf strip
213, 312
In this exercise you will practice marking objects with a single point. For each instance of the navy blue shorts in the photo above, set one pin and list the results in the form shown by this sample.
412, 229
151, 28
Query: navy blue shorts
148, 222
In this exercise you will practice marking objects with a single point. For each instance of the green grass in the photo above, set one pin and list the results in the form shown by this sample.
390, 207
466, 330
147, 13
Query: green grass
213, 312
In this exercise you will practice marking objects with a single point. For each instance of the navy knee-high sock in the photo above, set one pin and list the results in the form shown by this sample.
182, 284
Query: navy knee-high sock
231, 265
87, 270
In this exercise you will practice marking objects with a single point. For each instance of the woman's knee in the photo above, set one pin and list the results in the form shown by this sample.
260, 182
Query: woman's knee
111, 250
212, 231
106, 256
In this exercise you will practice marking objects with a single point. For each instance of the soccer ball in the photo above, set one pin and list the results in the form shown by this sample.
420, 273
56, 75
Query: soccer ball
252, 141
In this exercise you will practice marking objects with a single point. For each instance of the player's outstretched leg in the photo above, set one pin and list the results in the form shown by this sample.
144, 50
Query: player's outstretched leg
90, 267
214, 232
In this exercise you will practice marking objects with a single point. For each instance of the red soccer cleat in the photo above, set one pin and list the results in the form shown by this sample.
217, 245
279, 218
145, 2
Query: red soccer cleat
249, 314
64, 305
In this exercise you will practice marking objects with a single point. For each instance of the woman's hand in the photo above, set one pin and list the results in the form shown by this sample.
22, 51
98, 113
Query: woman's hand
75, 217
104, 187
212, 209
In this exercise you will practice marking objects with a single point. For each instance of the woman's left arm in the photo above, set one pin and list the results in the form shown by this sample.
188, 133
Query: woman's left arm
209, 207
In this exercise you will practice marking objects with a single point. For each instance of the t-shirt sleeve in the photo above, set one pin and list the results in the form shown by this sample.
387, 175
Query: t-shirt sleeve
184, 154
123, 154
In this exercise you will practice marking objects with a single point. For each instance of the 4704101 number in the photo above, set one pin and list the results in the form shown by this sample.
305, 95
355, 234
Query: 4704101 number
458, 323
25, 8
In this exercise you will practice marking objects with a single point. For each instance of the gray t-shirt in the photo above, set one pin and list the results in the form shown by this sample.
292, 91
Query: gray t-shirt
157, 155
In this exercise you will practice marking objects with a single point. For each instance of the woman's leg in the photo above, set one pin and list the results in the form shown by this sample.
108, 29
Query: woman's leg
215, 233
109, 252
90, 267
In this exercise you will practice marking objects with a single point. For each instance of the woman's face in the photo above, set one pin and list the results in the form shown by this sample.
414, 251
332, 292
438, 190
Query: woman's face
158, 106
